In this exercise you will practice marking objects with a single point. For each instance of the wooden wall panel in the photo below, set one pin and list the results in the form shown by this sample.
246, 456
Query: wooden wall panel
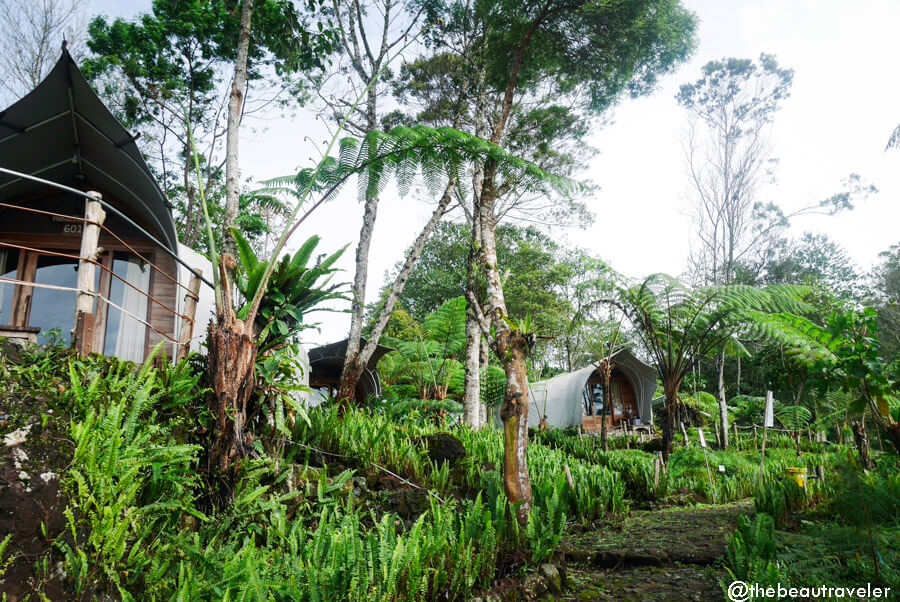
166, 292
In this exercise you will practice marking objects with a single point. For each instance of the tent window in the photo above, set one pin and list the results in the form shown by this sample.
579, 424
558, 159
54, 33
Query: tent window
615, 394
9, 268
125, 335
55, 308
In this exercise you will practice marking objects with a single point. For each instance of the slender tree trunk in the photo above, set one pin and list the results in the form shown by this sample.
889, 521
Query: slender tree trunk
412, 257
512, 349
353, 365
670, 390
604, 428
232, 349
232, 137
472, 382
475, 412
861, 437
723, 403
514, 412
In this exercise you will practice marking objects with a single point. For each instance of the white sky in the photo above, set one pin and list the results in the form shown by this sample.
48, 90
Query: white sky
844, 105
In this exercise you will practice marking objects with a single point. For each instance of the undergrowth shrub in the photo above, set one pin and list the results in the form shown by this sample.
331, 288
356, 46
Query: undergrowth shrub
750, 551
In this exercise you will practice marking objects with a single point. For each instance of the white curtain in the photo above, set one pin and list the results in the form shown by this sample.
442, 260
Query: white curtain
131, 333
6, 290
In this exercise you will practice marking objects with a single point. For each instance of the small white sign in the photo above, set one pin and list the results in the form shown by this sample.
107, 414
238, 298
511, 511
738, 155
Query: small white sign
768, 415
702, 438
722, 468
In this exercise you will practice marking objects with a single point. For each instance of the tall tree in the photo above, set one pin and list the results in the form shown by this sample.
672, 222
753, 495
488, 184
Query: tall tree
679, 325
170, 71
31, 35
367, 42
450, 83
589, 53
731, 108
233, 127
886, 285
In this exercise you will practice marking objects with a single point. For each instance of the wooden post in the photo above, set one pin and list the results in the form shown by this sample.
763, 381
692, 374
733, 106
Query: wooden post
734, 424
187, 321
766, 418
656, 463
684, 435
83, 333
569, 478
820, 474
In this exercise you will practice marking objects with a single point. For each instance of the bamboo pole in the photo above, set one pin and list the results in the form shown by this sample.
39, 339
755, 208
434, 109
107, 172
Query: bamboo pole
187, 321
83, 332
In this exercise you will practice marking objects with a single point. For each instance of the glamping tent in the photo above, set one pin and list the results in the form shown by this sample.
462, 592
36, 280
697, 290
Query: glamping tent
576, 398
326, 364
58, 143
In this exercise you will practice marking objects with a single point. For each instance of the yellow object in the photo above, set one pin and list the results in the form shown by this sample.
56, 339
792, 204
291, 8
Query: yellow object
798, 475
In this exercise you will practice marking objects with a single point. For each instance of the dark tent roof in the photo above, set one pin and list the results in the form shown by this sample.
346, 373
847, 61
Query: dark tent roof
62, 132
331, 357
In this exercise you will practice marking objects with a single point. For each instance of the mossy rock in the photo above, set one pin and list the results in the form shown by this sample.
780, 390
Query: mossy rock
444, 447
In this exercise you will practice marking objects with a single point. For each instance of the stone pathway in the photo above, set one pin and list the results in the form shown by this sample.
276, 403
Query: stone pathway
666, 554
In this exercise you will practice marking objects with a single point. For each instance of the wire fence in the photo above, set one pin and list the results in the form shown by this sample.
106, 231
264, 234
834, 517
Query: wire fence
104, 268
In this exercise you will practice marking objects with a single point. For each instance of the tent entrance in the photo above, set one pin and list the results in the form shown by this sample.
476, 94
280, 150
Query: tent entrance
622, 402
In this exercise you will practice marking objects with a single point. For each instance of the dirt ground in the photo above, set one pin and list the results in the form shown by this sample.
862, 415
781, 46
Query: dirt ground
34, 449
665, 554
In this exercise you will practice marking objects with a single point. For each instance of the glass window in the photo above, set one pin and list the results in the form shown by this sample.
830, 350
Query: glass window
125, 336
9, 263
52, 308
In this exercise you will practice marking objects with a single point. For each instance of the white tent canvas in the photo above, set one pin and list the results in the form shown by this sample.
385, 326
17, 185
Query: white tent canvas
561, 398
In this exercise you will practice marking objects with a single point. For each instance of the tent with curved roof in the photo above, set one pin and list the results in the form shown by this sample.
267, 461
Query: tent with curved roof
58, 143
575, 398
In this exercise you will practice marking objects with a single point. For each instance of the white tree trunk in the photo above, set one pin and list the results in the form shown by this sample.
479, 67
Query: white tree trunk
723, 404
235, 109
472, 390
412, 257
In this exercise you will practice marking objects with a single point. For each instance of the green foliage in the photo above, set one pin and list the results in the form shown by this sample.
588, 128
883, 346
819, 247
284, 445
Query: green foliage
129, 482
438, 153
750, 553
167, 72
428, 367
794, 418
295, 289
748, 408
778, 498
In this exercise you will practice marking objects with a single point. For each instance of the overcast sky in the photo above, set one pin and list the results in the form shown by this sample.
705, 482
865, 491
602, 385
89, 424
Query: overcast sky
845, 102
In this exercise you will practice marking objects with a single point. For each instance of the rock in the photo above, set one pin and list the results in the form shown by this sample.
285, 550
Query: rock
551, 576
360, 486
16, 437
444, 447
534, 587
408, 502
13, 349
19, 457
